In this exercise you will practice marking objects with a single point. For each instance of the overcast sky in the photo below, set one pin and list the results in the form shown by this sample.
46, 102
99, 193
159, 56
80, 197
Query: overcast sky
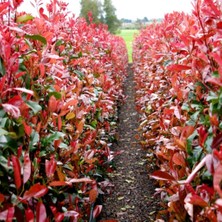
133, 9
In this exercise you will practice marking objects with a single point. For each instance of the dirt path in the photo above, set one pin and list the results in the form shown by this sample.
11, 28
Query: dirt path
132, 199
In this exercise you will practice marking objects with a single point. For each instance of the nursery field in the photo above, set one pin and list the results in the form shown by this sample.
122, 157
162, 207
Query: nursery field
128, 35
100, 127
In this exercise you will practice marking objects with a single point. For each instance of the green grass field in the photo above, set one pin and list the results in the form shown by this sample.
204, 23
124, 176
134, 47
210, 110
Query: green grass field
128, 35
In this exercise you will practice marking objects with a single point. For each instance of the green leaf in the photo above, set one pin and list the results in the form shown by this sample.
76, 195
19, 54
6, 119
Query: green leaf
2, 114
220, 99
51, 138
197, 153
89, 126
190, 141
212, 96
24, 18
4, 163
216, 74
59, 42
197, 106
13, 135
220, 126
37, 37
208, 142
55, 136
63, 146
34, 106
34, 139
94, 123
2, 67
57, 95
79, 74
185, 107
3, 132
22, 67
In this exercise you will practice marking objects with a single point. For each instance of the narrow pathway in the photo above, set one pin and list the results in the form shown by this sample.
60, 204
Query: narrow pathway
132, 199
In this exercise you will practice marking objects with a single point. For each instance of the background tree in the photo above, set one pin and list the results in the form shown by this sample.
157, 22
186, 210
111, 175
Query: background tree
110, 17
102, 13
93, 6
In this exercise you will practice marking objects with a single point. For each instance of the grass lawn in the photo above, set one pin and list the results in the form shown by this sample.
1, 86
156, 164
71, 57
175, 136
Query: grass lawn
128, 35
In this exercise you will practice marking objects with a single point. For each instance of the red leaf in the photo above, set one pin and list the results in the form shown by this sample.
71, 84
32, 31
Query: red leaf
213, 7
12, 110
42, 70
26, 168
93, 193
187, 131
3, 215
16, 101
19, 151
2, 80
203, 134
41, 215
16, 3
41, 12
59, 123
7, 215
59, 217
52, 104
212, 217
27, 128
2, 198
217, 58
17, 172
36, 191
80, 126
178, 67
217, 141
160, 175
179, 160
71, 214
3, 6
198, 201
58, 183
29, 215
219, 25
50, 166
19, 74
10, 215
72, 102
218, 179
215, 81
97, 211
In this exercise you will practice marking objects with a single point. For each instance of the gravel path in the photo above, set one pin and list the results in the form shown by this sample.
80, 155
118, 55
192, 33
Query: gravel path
132, 199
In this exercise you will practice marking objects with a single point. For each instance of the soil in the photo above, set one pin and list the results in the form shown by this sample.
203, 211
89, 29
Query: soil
132, 198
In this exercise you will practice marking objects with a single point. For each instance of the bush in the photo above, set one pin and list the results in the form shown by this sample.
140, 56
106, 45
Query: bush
60, 82
177, 67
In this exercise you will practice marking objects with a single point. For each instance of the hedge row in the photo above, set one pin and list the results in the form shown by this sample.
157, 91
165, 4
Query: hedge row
178, 74
60, 83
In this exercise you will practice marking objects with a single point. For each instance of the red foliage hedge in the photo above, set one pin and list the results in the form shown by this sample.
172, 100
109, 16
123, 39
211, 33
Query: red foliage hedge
178, 73
60, 82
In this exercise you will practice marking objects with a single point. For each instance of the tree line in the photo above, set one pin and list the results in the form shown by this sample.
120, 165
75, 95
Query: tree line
102, 12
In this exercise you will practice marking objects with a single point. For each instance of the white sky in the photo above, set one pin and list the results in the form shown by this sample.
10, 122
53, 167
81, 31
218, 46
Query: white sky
133, 9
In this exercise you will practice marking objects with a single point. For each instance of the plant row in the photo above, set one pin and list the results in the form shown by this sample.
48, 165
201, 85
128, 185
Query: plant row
60, 84
178, 74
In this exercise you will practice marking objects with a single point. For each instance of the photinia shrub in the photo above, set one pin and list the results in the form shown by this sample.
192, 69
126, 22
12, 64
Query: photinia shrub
60, 84
177, 66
